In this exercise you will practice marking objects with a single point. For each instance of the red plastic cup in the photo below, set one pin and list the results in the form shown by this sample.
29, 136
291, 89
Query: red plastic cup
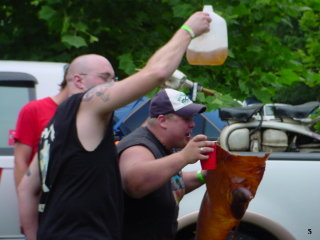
210, 163
11, 137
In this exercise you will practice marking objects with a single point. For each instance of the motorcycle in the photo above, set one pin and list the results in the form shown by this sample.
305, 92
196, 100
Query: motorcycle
270, 128
261, 127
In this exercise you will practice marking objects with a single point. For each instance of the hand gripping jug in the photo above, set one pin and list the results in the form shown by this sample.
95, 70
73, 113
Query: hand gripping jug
210, 48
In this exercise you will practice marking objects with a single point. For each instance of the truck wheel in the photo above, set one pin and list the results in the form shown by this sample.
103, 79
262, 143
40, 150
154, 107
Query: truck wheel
246, 231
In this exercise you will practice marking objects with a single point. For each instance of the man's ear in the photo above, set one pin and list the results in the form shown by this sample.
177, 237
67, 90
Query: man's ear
78, 81
162, 120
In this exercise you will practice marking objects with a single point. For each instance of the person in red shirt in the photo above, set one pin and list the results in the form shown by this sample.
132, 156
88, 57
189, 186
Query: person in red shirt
32, 119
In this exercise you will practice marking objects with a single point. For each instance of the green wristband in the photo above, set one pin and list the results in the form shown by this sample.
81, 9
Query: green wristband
189, 30
200, 177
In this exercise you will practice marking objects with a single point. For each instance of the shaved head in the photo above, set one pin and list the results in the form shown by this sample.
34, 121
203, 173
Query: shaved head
90, 63
87, 71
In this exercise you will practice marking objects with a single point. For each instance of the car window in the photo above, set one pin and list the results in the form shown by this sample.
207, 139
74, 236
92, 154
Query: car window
13, 95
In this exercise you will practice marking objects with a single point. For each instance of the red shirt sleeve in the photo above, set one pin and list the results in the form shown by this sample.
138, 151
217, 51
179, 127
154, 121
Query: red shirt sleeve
26, 125
32, 119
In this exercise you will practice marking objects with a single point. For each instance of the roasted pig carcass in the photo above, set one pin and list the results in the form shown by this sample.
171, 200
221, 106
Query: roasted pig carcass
230, 188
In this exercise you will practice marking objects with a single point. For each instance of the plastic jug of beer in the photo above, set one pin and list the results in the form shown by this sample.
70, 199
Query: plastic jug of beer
210, 48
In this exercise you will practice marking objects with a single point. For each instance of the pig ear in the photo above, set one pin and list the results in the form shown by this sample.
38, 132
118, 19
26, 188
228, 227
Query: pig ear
241, 197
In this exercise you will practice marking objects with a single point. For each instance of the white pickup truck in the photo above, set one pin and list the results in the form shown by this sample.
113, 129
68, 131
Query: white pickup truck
20, 82
286, 205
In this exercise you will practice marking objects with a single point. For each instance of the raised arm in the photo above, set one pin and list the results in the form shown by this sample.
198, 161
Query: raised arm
98, 103
159, 67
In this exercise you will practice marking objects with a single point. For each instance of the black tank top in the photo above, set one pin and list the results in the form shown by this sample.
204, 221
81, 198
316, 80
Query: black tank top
82, 189
153, 217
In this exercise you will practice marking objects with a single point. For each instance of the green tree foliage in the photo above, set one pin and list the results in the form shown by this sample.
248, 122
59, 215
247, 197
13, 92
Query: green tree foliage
273, 44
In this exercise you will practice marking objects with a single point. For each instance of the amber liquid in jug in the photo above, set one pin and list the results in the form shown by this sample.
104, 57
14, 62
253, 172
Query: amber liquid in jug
216, 57
210, 48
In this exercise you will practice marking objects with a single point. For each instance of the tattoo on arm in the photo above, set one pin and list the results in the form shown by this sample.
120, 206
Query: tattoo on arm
28, 172
99, 91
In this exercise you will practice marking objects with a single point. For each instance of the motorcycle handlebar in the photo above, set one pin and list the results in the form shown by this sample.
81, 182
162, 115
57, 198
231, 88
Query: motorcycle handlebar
207, 91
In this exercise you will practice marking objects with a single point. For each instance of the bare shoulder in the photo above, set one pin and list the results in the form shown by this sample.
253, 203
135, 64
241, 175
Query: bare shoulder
139, 152
101, 92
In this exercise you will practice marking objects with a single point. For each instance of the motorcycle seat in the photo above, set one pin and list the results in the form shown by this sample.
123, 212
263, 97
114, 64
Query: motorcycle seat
295, 111
242, 114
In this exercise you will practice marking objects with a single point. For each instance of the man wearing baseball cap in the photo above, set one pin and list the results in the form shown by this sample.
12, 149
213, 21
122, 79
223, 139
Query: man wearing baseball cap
151, 171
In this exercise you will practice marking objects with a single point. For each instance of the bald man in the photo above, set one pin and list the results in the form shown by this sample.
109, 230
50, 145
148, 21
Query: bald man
80, 179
